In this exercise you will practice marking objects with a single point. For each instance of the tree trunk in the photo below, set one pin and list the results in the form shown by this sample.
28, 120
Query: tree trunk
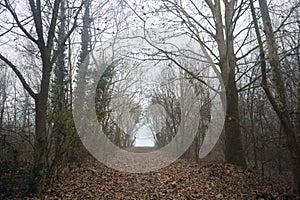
2, 110
117, 139
83, 56
297, 166
233, 140
39, 161
59, 130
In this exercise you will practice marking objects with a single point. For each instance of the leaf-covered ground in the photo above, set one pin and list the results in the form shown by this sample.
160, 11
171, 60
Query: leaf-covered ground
181, 180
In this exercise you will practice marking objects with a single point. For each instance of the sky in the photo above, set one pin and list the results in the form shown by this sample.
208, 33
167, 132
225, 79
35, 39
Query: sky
144, 137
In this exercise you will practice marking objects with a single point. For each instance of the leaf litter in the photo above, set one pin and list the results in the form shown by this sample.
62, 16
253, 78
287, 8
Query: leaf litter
183, 179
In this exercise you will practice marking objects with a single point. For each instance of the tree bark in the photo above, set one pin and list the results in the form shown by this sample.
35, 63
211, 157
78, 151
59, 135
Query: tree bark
234, 152
39, 160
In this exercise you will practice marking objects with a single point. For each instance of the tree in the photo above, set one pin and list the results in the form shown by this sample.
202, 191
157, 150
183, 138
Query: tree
209, 23
164, 112
61, 132
43, 38
228, 62
85, 49
278, 98
117, 110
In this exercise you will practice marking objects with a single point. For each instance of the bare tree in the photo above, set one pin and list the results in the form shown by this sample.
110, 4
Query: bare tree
278, 98
212, 25
43, 38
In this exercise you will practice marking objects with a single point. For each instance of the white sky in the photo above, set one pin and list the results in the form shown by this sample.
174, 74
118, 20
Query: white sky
144, 137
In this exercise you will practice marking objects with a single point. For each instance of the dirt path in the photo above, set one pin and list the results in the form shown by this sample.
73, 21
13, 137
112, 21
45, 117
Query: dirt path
141, 149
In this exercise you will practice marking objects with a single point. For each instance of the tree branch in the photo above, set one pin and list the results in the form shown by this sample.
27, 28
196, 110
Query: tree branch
20, 76
51, 31
36, 12
13, 13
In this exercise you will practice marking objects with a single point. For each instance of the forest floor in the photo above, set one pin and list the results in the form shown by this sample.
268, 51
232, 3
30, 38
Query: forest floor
182, 179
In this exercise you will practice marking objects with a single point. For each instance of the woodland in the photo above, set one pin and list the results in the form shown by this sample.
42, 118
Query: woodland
214, 85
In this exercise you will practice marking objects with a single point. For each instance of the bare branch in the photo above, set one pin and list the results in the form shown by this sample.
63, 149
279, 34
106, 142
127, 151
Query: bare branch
51, 31
13, 13
36, 12
287, 17
20, 76
7, 31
